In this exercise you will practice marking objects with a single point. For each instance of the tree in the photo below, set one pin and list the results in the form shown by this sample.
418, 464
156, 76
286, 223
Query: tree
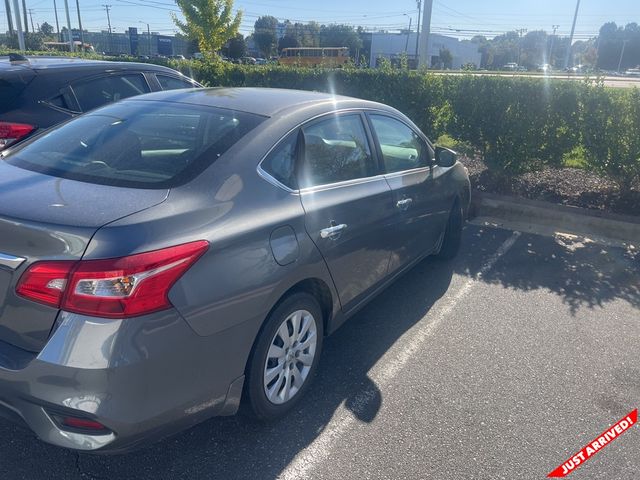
446, 58
340, 36
288, 41
265, 34
236, 47
211, 22
46, 29
611, 41
311, 35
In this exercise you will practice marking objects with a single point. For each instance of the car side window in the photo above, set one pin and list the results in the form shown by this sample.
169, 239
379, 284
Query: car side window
402, 148
102, 90
173, 83
335, 150
281, 162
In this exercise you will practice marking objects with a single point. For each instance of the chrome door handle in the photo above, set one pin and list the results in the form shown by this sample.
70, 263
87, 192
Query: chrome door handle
404, 204
332, 232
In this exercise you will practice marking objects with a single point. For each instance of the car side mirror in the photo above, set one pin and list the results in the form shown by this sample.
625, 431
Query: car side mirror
446, 157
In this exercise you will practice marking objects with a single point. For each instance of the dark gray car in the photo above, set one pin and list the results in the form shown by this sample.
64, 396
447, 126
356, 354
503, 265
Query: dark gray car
166, 255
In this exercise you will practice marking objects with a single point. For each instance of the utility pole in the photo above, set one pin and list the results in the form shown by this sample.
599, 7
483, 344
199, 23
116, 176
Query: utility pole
406, 47
69, 35
7, 7
419, 2
624, 45
16, 11
24, 13
31, 18
520, 33
553, 39
55, 11
107, 8
80, 25
148, 35
423, 51
573, 30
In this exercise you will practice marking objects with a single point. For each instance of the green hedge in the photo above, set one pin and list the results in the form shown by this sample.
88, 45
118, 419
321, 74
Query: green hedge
517, 124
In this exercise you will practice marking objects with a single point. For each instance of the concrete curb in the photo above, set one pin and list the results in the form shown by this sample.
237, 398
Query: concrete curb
559, 217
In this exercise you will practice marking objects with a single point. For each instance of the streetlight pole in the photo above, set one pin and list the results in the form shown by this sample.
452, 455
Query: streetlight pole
69, 35
419, 2
573, 31
16, 11
148, 35
107, 8
55, 11
7, 7
406, 47
624, 45
553, 39
24, 13
80, 26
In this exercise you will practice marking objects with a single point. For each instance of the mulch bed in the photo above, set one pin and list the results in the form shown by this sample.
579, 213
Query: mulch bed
566, 186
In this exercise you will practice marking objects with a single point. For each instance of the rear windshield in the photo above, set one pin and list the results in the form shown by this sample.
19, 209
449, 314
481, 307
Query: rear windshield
140, 144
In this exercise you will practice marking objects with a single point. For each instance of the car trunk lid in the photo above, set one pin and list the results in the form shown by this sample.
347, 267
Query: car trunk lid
49, 218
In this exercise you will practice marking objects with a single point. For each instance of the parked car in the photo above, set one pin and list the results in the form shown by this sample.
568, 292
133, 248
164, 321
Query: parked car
510, 67
166, 253
38, 92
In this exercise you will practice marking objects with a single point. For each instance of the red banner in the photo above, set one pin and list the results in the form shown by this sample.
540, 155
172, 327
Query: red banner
594, 447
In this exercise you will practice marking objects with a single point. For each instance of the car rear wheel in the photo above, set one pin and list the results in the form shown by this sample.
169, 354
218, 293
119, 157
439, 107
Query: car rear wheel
285, 356
453, 233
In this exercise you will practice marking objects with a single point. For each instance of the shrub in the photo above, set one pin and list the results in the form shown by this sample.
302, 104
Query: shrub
518, 124
611, 133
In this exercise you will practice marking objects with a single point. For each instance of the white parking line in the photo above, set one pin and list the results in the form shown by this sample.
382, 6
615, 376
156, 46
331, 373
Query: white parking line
320, 449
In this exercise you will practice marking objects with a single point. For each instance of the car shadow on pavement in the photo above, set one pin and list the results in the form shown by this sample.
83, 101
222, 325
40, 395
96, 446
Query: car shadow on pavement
239, 447
585, 274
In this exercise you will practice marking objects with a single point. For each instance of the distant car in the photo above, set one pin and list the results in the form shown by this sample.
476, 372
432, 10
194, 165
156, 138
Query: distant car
197, 56
248, 61
38, 92
510, 67
177, 57
167, 255
261, 61
633, 72
545, 68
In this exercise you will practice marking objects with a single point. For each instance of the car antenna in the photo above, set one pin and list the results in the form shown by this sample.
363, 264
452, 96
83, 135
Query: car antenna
16, 57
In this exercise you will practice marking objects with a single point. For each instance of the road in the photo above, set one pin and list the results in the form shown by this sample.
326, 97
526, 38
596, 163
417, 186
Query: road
614, 82
498, 365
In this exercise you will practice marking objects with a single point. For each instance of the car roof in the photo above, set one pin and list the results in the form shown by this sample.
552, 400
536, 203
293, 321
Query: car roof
261, 101
39, 63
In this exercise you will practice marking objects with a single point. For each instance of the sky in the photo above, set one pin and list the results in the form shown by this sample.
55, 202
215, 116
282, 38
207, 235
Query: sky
461, 18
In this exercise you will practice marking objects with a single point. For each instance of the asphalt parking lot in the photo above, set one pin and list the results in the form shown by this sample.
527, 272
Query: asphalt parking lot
501, 364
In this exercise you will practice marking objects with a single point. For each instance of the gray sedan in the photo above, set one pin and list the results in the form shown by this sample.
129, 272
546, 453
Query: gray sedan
166, 256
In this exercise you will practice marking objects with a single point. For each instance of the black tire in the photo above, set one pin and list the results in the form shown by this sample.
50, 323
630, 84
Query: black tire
261, 407
452, 234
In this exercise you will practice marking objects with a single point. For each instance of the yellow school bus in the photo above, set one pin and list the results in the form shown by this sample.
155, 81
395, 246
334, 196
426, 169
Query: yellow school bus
315, 56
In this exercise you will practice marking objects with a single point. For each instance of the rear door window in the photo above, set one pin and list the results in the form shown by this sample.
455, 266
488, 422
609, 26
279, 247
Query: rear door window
111, 88
173, 83
336, 149
280, 163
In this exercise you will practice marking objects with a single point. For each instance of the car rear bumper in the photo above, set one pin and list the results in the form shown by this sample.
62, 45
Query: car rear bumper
142, 378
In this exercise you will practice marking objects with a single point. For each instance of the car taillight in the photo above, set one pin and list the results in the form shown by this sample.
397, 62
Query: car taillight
112, 288
12, 132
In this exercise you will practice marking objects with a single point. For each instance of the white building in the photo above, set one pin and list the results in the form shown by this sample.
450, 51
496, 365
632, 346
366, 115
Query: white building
392, 45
